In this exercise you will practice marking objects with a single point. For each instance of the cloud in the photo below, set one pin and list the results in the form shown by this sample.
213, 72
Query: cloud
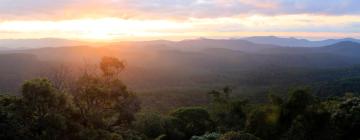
177, 18
117, 28
62, 9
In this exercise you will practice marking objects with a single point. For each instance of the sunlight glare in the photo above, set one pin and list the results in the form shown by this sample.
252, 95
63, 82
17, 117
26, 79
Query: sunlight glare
93, 29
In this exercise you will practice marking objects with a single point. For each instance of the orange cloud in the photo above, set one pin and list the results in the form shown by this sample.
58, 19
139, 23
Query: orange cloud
126, 19
113, 28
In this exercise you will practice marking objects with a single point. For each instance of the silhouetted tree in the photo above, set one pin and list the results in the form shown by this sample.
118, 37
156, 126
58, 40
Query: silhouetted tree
195, 120
104, 101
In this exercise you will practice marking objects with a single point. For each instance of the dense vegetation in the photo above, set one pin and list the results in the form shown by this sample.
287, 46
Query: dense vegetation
262, 92
98, 106
167, 75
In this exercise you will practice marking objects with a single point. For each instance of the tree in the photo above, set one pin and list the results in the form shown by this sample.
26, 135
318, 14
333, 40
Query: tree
150, 124
275, 100
263, 122
209, 136
62, 77
227, 114
174, 128
41, 98
347, 119
297, 103
104, 101
111, 66
304, 117
195, 120
10, 126
232, 135
99, 107
44, 111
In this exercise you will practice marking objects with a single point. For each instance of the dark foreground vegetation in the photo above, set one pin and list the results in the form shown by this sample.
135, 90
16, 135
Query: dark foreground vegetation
98, 106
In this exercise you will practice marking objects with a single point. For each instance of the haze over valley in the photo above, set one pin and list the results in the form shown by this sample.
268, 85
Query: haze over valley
193, 66
179, 70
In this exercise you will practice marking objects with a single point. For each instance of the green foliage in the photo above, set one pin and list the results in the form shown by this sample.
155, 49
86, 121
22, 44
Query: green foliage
209, 136
99, 107
304, 117
174, 129
41, 113
347, 119
299, 99
9, 124
103, 108
232, 135
298, 102
41, 98
227, 114
161, 137
96, 134
45, 111
104, 101
275, 100
338, 87
263, 121
150, 124
195, 120
309, 126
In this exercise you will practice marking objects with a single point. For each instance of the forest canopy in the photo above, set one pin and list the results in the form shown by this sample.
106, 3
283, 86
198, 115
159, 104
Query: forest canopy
100, 106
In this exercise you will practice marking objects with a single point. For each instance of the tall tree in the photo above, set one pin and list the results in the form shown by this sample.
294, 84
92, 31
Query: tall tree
104, 101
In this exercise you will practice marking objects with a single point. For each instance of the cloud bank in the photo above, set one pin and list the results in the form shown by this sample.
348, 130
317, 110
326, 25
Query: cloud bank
172, 8
116, 19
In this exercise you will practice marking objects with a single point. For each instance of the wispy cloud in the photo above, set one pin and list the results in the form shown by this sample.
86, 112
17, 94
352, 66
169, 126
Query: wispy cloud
172, 8
135, 18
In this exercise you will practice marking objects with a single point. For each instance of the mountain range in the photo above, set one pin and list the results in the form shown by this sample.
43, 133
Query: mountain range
186, 68
19, 44
294, 42
249, 43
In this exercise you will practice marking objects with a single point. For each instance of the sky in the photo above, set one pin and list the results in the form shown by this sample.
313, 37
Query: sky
109, 20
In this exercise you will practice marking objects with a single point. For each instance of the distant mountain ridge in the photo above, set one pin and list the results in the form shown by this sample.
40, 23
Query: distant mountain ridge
249, 44
345, 48
294, 42
345, 52
170, 64
18, 44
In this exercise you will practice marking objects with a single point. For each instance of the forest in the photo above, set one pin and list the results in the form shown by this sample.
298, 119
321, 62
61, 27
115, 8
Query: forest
98, 105
179, 70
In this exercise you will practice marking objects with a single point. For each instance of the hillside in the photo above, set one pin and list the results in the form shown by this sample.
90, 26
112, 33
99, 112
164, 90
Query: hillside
194, 66
294, 42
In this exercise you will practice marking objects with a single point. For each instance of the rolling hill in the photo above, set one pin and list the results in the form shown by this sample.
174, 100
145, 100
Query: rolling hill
190, 68
294, 42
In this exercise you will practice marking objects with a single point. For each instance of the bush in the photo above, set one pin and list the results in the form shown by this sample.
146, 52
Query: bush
210, 136
152, 125
195, 120
232, 135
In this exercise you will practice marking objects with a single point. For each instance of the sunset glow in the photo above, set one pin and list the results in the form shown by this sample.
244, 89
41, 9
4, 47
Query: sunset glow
179, 69
126, 20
